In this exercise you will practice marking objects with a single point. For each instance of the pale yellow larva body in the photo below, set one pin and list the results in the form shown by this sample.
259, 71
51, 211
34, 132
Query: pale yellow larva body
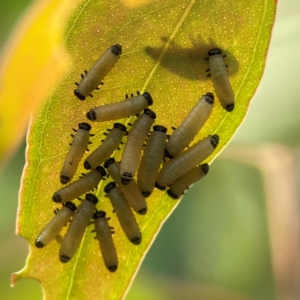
77, 150
190, 126
106, 243
77, 227
124, 213
118, 110
151, 160
186, 161
182, 183
220, 79
52, 229
134, 145
109, 145
80, 186
91, 80
130, 191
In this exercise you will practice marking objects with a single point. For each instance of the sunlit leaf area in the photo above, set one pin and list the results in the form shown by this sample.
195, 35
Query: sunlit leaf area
221, 242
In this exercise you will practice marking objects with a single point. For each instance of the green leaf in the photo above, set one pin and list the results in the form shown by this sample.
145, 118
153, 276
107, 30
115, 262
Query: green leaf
164, 46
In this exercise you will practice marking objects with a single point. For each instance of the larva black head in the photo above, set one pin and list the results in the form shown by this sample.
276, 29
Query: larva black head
162, 188
70, 205
84, 126
110, 186
143, 211
209, 97
229, 107
99, 214
87, 165
109, 162
64, 179
205, 168
116, 49
112, 268
56, 197
120, 126
160, 128
150, 113
78, 95
148, 97
101, 170
91, 115
39, 243
172, 195
167, 154
136, 240
214, 140
214, 51
146, 194
64, 258
91, 198
126, 177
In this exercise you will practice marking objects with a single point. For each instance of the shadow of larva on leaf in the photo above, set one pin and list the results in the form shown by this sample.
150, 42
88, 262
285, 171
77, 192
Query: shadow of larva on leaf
190, 62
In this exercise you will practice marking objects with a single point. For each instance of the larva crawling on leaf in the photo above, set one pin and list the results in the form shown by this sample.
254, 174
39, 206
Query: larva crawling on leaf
219, 76
182, 183
118, 110
77, 150
134, 145
80, 186
52, 229
151, 160
77, 227
130, 191
104, 236
108, 146
186, 161
124, 213
91, 80
190, 126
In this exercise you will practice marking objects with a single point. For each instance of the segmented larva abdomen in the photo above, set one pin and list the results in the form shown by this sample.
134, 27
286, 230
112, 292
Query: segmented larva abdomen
77, 227
104, 236
77, 150
182, 183
99, 70
80, 186
124, 213
119, 110
190, 126
134, 145
185, 161
130, 191
52, 229
151, 160
220, 79
109, 145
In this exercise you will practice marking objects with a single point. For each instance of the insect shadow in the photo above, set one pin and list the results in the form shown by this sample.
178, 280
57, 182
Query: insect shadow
190, 63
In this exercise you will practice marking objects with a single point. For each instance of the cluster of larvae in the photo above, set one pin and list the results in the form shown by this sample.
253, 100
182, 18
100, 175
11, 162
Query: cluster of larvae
150, 159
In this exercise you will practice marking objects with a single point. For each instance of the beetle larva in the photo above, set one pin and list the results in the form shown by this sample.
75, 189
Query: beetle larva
91, 80
134, 145
113, 111
186, 160
182, 183
109, 145
151, 160
77, 227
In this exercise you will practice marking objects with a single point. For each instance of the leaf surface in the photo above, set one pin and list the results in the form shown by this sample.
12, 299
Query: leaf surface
164, 46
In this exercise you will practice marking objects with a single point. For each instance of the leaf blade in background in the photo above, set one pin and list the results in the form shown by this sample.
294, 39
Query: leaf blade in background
27, 71
163, 51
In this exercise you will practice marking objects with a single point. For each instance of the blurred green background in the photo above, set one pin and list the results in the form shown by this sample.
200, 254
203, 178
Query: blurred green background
216, 243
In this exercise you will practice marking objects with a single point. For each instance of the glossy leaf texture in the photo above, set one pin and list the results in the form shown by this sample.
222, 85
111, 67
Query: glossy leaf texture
164, 46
